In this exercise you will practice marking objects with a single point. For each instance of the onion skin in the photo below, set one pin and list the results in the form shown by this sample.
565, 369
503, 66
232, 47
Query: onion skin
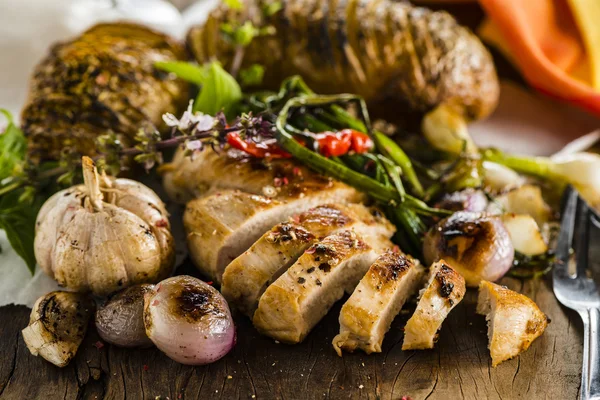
465, 200
189, 321
121, 320
477, 245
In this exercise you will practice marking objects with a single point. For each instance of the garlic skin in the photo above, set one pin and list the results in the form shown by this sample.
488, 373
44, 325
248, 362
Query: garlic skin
105, 235
120, 320
189, 321
57, 325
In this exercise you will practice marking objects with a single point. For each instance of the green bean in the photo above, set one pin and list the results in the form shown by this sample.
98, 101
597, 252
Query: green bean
391, 150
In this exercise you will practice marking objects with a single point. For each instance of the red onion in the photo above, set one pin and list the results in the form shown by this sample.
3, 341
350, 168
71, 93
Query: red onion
189, 321
464, 200
121, 320
477, 245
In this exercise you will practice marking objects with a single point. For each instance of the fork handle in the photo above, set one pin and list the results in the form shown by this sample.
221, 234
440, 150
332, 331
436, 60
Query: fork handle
590, 373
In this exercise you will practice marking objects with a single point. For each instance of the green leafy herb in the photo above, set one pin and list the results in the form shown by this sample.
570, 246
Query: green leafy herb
271, 8
18, 209
219, 90
184, 70
13, 145
252, 76
234, 4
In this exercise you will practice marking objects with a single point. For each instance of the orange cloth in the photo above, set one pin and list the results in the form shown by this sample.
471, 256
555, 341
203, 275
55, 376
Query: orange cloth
545, 43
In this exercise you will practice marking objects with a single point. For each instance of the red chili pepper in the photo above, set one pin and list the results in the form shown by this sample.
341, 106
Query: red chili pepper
259, 150
361, 142
334, 144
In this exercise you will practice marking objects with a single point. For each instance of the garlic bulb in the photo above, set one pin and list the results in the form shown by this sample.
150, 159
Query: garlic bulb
105, 235
189, 321
57, 325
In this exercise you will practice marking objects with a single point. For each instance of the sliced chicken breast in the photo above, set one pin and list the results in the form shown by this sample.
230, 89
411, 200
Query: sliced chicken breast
298, 299
514, 320
444, 290
247, 277
187, 178
223, 225
368, 314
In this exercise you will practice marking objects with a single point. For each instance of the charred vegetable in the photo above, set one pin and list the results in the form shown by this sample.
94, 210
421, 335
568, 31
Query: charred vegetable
121, 320
376, 49
189, 321
104, 235
57, 325
477, 245
104, 80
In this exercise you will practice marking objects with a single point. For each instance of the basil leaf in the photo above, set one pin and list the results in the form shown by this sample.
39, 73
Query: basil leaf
220, 91
253, 75
12, 145
19, 225
17, 218
184, 70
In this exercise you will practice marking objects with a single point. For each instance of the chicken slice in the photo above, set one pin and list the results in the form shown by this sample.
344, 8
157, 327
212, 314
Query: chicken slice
223, 225
247, 277
514, 320
187, 178
368, 314
444, 290
298, 299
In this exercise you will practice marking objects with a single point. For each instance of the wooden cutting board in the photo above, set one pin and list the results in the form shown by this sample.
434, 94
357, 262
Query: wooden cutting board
459, 367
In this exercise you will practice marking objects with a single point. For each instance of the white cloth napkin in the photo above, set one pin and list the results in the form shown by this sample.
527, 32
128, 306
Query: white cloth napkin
524, 122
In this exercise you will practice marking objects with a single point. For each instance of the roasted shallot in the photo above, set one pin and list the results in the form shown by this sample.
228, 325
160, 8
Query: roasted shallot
477, 245
121, 320
189, 321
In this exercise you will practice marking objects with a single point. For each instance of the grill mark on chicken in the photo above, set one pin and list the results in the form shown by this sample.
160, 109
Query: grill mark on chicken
390, 267
446, 286
367, 315
443, 291
298, 299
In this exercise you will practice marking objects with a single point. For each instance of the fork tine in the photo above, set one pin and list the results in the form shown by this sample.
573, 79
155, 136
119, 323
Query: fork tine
565, 238
582, 228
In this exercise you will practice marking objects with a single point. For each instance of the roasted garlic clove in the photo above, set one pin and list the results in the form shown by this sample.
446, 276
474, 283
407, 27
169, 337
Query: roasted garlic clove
121, 320
105, 235
57, 325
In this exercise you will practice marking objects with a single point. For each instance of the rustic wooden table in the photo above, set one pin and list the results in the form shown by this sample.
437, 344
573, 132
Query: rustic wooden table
459, 366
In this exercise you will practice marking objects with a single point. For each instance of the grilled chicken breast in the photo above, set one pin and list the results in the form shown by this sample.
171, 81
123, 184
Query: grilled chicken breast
298, 299
444, 290
247, 277
367, 315
514, 320
187, 178
223, 225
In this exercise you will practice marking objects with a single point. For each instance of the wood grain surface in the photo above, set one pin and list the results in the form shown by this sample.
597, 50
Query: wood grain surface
458, 368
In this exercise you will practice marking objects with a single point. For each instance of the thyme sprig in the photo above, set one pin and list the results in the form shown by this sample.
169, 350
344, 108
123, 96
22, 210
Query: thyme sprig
194, 131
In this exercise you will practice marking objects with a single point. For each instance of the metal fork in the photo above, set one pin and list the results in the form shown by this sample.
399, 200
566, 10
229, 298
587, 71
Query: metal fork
575, 289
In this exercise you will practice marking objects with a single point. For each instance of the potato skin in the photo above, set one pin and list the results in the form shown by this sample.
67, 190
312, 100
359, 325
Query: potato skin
376, 48
103, 80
